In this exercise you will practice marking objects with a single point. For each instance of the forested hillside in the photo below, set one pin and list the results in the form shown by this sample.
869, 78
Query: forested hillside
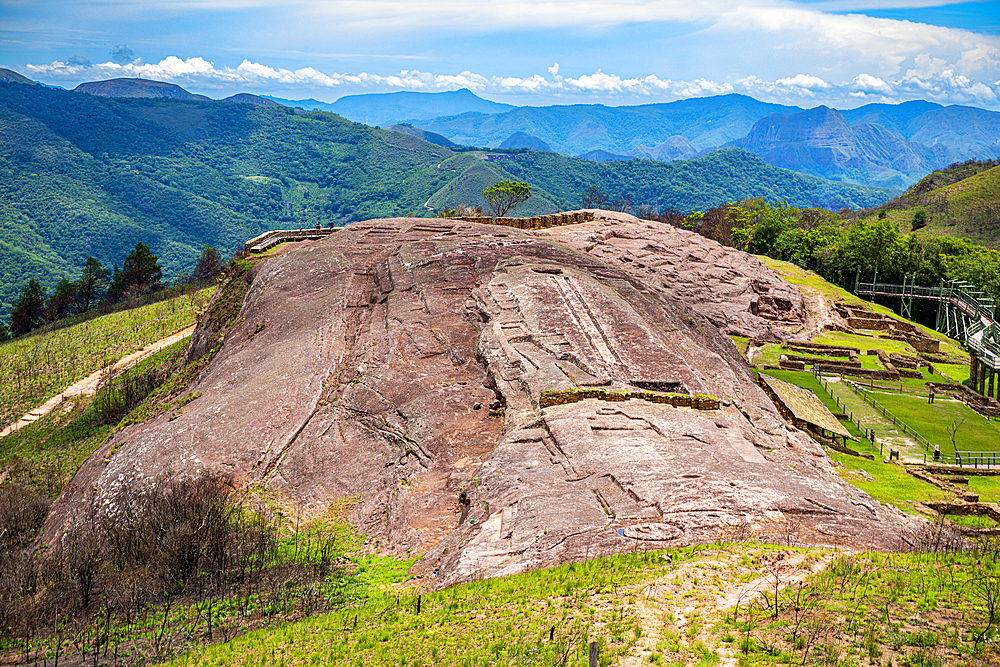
82, 175
946, 227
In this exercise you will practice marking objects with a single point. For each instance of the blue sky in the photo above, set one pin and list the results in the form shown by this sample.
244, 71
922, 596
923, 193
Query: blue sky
843, 53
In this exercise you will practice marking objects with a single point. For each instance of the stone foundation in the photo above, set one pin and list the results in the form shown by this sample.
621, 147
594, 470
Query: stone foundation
552, 397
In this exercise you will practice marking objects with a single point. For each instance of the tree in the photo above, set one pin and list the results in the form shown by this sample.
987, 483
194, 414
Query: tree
141, 273
593, 198
116, 288
28, 310
506, 196
91, 286
920, 219
209, 264
4, 332
60, 303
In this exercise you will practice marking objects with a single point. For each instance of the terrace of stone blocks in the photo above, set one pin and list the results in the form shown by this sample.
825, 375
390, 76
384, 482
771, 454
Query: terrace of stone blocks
884, 376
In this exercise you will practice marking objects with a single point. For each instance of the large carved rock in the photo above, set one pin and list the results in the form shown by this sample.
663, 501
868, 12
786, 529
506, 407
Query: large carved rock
401, 363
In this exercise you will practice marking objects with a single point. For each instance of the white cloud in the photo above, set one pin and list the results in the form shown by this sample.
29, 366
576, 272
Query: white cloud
946, 86
803, 81
866, 83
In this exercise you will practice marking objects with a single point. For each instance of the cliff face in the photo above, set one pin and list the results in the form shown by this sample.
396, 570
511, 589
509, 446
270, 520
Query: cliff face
401, 363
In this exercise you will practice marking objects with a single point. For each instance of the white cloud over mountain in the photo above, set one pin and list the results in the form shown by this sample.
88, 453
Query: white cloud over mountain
200, 74
613, 51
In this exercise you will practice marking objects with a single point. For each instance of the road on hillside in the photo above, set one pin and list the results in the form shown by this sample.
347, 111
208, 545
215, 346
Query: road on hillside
88, 385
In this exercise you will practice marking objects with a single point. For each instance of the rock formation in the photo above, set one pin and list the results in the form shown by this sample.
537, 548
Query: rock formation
401, 363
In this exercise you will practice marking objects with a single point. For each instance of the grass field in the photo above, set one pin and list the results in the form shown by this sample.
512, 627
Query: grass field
988, 488
35, 368
887, 482
45, 454
916, 609
932, 420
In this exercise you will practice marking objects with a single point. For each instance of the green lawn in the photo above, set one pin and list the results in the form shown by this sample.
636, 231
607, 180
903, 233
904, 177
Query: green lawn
889, 483
988, 488
931, 422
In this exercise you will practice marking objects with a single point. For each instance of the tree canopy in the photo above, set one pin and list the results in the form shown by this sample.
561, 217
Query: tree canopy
29, 309
141, 274
505, 196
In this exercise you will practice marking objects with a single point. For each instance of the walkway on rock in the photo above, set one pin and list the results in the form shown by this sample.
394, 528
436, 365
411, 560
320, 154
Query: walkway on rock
88, 385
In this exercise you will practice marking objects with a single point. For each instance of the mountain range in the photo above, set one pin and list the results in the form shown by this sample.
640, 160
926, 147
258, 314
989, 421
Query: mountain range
383, 109
88, 175
876, 144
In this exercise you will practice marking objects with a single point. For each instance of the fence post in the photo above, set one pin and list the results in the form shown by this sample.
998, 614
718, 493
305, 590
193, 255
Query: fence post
593, 654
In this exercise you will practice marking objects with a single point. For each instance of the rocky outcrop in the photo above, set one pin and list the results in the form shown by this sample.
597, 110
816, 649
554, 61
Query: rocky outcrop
401, 363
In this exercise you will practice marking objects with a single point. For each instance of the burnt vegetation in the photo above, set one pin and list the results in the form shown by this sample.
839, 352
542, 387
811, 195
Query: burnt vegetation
174, 563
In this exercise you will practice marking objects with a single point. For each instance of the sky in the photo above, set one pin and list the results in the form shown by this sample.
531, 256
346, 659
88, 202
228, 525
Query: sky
842, 53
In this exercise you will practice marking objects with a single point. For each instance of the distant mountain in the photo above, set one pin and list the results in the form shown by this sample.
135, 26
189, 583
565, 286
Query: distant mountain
91, 175
307, 105
247, 98
522, 140
971, 132
605, 156
13, 77
381, 109
821, 143
136, 88
674, 148
705, 122
429, 137
897, 118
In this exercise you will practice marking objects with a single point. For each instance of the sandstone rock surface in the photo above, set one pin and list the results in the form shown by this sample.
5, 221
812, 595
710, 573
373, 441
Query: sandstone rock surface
400, 363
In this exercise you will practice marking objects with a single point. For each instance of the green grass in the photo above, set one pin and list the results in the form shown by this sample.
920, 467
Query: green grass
931, 421
742, 344
889, 483
47, 453
880, 609
988, 488
35, 368
864, 609
504, 621
972, 521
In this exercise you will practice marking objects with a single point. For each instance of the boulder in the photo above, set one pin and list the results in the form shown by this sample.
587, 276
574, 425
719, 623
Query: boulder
356, 365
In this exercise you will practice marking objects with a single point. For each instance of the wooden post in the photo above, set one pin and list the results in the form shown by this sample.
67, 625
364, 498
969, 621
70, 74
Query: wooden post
992, 393
593, 654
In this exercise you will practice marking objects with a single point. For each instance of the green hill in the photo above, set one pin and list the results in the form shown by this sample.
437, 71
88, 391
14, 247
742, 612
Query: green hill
962, 200
84, 175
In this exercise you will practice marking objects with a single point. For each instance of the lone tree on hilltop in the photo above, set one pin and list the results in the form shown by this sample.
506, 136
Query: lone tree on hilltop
506, 196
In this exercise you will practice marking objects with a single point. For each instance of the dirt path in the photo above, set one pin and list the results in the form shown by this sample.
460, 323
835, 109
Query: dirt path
688, 602
88, 385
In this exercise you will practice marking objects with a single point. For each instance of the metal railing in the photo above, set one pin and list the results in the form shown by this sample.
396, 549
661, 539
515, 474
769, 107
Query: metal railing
967, 459
980, 334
